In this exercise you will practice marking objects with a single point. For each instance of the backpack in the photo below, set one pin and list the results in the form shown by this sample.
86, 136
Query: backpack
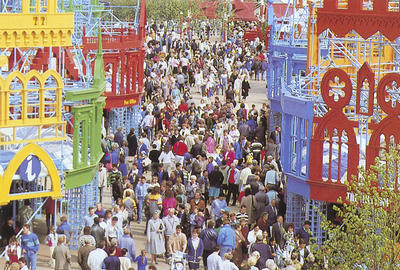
153, 207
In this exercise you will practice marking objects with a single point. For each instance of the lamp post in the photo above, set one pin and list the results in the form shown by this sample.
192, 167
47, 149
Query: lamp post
189, 19
181, 13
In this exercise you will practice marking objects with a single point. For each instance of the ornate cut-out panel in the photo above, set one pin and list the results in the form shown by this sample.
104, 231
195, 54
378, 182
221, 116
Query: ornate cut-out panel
365, 19
365, 90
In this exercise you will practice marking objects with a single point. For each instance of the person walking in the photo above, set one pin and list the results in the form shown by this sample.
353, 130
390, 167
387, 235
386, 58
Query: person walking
233, 176
171, 221
61, 255
141, 192
209, 237
214, 261
155, 237
195, 250
132, 142
13, 252
112, 262
245, 87
226, 238
30, 246
125, 262
126, 241
83, 254
177, 241
141, 260
102, 180
251, 205
97, 256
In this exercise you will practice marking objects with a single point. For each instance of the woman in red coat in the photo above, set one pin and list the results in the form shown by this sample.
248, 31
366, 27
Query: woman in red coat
229, 155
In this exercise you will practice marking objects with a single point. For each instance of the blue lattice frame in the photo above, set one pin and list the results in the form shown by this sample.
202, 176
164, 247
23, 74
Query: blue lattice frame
125, 117
78, 200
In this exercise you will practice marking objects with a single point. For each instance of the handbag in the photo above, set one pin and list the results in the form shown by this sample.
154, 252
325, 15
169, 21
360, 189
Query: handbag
254, 208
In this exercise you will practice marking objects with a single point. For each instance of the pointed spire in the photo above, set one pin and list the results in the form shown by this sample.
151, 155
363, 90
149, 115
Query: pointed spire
99, 74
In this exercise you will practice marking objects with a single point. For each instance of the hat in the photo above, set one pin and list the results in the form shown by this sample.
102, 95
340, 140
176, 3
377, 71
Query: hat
259, 237
225, 210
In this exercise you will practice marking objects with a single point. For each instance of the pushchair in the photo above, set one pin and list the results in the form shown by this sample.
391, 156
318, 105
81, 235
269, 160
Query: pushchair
178, 261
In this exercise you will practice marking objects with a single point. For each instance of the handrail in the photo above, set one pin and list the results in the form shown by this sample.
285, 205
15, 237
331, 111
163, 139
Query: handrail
29, 220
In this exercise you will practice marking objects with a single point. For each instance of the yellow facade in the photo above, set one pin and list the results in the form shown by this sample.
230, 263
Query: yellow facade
6, 178
31, 100
36, 26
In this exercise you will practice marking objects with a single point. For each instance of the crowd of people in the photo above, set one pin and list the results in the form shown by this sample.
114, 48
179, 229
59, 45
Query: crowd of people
204, 175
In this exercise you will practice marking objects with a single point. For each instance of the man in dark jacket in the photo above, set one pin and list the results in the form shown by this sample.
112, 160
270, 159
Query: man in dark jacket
278, 231
215, 178
305, 232
97, 231
264, 250
272, 213
83, 254
154, 154
209, 237
132, 142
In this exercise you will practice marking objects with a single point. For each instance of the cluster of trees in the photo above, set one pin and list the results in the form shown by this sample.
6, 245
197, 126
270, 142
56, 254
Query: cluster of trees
369, 234
157, 10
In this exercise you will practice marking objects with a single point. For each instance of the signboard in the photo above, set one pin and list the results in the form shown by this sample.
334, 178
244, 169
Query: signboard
29, 169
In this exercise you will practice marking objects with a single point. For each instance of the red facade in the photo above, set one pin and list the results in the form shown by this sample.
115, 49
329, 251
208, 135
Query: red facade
356, 17
334, 140
335, 128
123, 55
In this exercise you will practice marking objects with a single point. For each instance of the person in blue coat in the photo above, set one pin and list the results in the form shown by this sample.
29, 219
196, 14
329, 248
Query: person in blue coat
126, 241
195, 250
226, 239
141, 260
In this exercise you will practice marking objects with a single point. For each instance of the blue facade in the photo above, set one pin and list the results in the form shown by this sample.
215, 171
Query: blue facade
286, 65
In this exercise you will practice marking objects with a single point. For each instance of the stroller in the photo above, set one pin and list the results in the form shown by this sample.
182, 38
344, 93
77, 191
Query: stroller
178, 261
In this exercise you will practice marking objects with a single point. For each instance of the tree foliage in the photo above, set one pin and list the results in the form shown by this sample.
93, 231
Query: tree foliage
369, 234
122, 10
162, 10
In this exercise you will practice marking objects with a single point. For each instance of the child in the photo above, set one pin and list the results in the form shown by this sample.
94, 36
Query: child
124, 260
52, 240
141, 260
22, 263
200, 219
228, 265
12, 253
192, 218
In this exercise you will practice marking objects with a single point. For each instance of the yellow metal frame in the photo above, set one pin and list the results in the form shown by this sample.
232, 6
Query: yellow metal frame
36, 26
6, 179
42, 120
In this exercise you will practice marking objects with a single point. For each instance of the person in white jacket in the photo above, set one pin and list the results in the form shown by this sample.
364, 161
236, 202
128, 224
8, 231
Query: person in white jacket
227, 264
167, 158
102, 180
214, 261
97, 256
252, 237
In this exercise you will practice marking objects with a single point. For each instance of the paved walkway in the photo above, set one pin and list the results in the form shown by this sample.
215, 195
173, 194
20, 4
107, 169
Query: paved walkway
257, 96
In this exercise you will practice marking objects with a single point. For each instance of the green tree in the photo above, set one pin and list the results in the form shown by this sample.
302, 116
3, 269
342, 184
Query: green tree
162, 10
369, 233
123, 9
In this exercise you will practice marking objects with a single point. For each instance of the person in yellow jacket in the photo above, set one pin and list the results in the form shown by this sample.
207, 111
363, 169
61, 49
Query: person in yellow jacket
130, 207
